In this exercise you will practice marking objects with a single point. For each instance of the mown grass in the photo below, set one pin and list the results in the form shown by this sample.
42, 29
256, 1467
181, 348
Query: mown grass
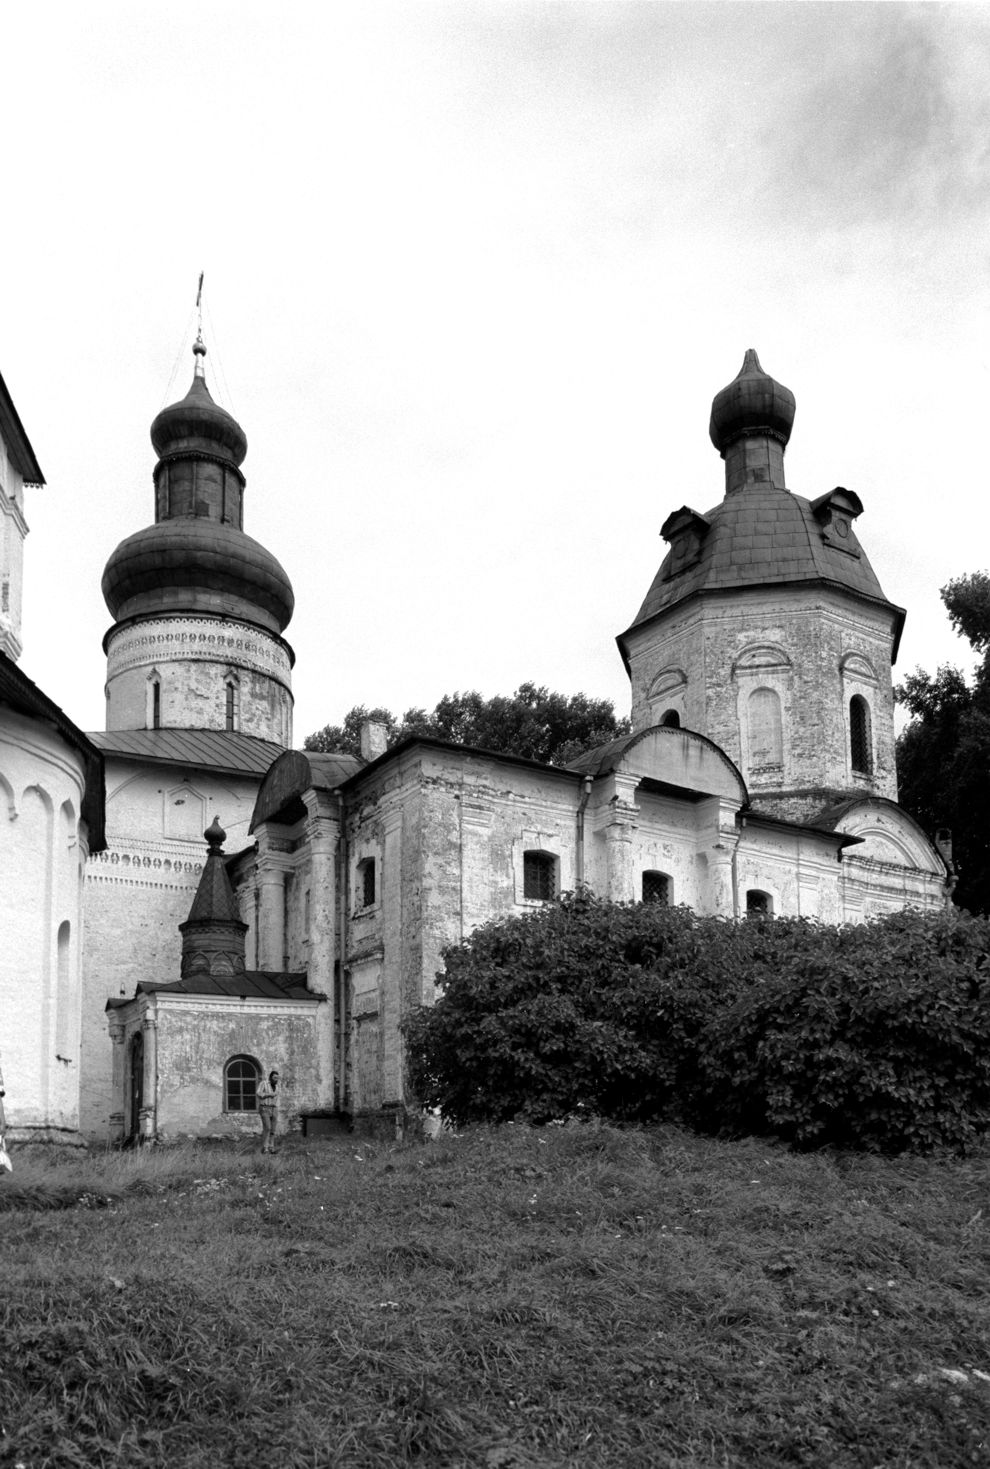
512, 1300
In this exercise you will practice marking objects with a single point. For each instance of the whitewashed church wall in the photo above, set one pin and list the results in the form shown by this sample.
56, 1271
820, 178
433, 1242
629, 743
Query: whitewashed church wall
42, 852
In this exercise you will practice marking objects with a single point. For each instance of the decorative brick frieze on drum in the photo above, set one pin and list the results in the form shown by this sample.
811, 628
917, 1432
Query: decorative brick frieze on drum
198, 638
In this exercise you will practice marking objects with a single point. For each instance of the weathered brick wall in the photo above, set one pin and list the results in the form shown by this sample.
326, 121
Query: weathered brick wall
193, 657
815, 648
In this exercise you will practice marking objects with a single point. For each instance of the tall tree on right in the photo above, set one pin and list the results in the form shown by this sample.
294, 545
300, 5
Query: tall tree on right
943, 756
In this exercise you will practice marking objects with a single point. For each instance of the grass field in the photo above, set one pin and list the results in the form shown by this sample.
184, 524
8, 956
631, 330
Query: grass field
576, 1295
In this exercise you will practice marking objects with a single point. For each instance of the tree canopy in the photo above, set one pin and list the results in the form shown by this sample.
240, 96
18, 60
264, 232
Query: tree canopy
533, 722
943, 756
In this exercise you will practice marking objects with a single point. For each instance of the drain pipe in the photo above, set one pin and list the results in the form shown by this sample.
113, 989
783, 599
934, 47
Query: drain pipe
579, 852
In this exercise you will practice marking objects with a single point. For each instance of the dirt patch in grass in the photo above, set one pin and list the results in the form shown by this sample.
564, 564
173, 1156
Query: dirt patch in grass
529, 1298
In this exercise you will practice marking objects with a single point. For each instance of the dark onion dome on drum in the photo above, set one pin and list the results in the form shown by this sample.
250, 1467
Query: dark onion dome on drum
196, 558
198, 426
753, 403
197, 565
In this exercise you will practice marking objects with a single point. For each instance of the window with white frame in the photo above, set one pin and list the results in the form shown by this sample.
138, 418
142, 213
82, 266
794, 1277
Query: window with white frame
539, 876
240, 1084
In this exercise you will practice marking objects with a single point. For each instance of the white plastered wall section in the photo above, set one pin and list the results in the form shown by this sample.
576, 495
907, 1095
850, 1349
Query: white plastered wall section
42, 854
13, 530
893, 866
140, 889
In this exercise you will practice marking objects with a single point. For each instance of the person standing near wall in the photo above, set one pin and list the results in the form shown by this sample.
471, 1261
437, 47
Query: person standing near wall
4, 1160
268, 1110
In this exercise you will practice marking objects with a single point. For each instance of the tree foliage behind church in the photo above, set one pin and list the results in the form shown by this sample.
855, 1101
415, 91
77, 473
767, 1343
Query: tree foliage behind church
533, 722
943, 756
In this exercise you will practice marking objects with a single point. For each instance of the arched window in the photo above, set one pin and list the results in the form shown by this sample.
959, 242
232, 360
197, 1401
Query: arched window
671, 719
657, 887
232, 703
766, 737
860, 738
63, 992
153, 711
240, 1084
539, 876
758, 904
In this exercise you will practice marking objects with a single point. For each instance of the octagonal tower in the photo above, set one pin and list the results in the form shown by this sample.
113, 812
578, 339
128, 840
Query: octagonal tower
766, 628
199, 606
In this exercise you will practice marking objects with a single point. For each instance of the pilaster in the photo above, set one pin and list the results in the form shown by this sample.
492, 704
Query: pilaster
620, 828
272, 866
148, 1113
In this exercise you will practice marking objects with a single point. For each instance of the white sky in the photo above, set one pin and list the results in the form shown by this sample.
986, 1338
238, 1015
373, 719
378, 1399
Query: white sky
474, 273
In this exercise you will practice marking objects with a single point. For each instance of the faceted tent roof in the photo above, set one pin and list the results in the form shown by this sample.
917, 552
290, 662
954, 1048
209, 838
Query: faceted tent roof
763, 536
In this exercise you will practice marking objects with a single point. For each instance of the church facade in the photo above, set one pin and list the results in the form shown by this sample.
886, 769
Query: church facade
51, 824
758, 777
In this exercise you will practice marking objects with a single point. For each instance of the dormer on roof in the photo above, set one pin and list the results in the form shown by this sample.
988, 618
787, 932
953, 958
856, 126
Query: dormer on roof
835, 513
684, 531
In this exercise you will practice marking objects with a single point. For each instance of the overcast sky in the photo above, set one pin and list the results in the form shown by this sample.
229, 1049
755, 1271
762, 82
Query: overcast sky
474, 273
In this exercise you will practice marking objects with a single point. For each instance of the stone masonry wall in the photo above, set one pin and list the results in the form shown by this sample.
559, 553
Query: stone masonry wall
194, 658
813, 647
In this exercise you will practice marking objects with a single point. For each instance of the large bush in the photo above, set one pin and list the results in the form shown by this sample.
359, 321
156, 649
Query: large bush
875, 1036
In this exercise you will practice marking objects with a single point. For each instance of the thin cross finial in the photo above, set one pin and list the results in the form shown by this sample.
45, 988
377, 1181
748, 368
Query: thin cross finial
199, 350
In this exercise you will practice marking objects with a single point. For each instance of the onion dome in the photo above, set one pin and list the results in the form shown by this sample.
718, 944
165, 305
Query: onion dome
197, 425
197, 565
753, 403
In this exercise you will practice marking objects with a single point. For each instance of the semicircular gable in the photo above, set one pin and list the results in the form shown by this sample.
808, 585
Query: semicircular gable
667, 681
855, 665
761, 657
282, 788
888, 834
680, 757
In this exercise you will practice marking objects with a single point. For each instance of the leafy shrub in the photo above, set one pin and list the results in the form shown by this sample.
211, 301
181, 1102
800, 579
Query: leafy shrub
582, 1005
873, 1036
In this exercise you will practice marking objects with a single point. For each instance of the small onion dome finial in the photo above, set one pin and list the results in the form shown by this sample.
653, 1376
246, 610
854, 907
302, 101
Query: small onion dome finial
199, 352
753, 403
215, 835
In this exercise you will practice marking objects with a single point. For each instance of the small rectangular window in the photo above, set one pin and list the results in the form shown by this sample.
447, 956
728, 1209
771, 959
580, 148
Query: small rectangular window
366, 883
656, 887
539, 876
